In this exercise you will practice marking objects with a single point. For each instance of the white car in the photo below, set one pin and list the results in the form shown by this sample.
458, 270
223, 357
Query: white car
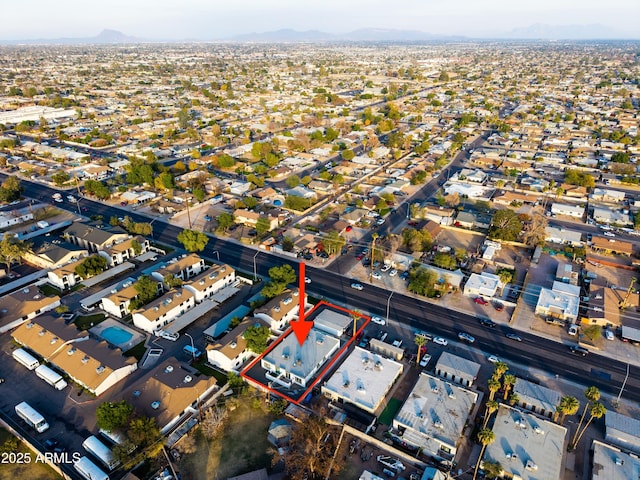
357, 286
380, 221
307, 280
440, 341
608, 334
376, 275
493, 359
393, 272
425, 360
573, 329
386, 267
378, 320
609, 234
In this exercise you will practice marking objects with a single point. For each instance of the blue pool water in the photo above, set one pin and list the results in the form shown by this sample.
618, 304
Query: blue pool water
116, 335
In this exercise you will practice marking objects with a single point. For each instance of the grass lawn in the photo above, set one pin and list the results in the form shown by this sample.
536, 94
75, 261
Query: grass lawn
220, 377
241, 446
138, 351
50, 290
33, 471
88, 321
386, 417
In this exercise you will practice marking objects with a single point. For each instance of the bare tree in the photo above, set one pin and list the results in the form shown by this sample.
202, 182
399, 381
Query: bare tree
213, 421
535, 231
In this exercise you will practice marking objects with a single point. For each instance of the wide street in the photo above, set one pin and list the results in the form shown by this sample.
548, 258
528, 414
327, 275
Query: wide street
594, 369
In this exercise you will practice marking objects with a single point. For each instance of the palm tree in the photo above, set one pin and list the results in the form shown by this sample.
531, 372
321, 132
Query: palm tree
494, 386
513, 398
419, 340
492, 469
499, 368
355, 315
485, 437
592, 395
491, 407
567, 406
597, 411
507, 382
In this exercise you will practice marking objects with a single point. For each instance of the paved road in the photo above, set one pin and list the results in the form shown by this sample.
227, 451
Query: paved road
594, 369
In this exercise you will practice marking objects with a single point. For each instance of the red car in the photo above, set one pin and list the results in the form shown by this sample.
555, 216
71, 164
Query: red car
480, 301
360, 256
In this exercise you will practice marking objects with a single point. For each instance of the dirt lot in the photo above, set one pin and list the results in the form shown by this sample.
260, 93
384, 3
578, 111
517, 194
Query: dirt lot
21, 467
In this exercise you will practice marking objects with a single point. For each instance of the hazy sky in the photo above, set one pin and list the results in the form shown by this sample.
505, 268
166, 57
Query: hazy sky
214, 19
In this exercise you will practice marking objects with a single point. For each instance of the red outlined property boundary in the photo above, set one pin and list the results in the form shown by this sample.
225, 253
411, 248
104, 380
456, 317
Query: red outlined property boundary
325, 369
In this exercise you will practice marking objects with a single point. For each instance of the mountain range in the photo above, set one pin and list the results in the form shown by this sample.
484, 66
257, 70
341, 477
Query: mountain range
533, 32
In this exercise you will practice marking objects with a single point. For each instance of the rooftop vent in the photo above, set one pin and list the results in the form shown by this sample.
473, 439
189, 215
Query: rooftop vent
213, 275
346, 384
319, 339
71, 351
201, 282
100, 369
155, 405
168, 369
85, 359
438, 424
531, 466
276, 309
54, 340
30, 325
435, 389
287, 301
233, 344
187, 379
25, 290
619, 461
178, 294
538, 430
36, 297
42, 332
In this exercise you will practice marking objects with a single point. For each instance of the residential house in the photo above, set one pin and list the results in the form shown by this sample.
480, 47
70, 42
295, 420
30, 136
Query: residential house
92, 238
91, 363
211, 281
184, 268
611, 245
560, 302
22, 305
438, 214
612, 216
563, 236
163, 310
607, 195
250, 218
118, 302
231, 351
484, 284
126, 250
171, 392
65, 277
575, 211
279, 311
53, 255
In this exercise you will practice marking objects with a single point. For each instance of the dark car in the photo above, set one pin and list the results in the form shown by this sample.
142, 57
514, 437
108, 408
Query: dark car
578, 350
498, 306
485, 322
404, 275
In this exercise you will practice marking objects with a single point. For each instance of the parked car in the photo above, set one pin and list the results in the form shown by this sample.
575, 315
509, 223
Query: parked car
385, 268
499, 306
393, 272
440, 341
609, 234
465, 337
513, 336
376, 275
307, 280
404, 275
357, 286
480, 301
608, 334
573, 329
425, 360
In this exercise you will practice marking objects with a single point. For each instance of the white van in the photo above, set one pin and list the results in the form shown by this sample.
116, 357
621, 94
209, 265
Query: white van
25, 358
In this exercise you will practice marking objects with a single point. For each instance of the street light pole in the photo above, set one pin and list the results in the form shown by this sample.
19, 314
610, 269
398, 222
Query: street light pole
255, 274
193, 348
626, 377
388, 303
217, 254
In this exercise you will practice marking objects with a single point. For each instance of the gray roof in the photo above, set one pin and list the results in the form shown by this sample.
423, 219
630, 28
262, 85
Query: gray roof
609, 463
534, 394
458, 366
622, 423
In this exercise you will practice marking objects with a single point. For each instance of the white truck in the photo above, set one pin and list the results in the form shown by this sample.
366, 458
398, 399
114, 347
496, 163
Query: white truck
52, 378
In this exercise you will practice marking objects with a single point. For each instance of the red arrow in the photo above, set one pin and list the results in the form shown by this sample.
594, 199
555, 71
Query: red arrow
301, 327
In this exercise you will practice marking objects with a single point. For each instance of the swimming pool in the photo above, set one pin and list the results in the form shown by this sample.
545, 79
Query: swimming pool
116, 335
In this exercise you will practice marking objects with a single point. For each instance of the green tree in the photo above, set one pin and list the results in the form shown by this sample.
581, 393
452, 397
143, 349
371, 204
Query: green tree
508, 382
293, 181
144, 433
444, 260
172, 281
348, 155
283, 274
492, 469
257, 337
193, 240
499, 369
505, 225
494, 386
225, 221
10, 189
112, 416
287, 244
91, 266
485, 437
490, 408
568, 406
263, 225
147, 290
333, 242
597, 410
12, 250
592, 394
60, 178
443, 77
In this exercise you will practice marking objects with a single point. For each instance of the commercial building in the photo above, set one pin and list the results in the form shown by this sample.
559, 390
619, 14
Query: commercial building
363, 379
434, 416
484, 284
561, 301
528, 447
332, 322
457, 369
537, 398
610, 463
622, 431
289, 362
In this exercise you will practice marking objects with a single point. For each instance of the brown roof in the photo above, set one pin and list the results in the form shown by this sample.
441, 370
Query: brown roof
164, 304
279, 306
612, 245
233, 343
180, 265
210, 276
123, 296
174, 385
80, 359
22, 303
68, 269
126, 245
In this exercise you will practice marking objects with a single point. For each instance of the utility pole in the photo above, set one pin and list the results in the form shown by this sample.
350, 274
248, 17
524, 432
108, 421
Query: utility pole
374, 237
188, 214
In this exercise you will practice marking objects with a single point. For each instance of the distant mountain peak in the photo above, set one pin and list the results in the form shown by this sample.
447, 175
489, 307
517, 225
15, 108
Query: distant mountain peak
543, 31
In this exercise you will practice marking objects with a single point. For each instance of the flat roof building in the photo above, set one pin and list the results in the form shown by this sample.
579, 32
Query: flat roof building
289, 362
537, 398
332, 322
609, 463
363, 379
528, 447
457, 369
622, 431
434, 416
